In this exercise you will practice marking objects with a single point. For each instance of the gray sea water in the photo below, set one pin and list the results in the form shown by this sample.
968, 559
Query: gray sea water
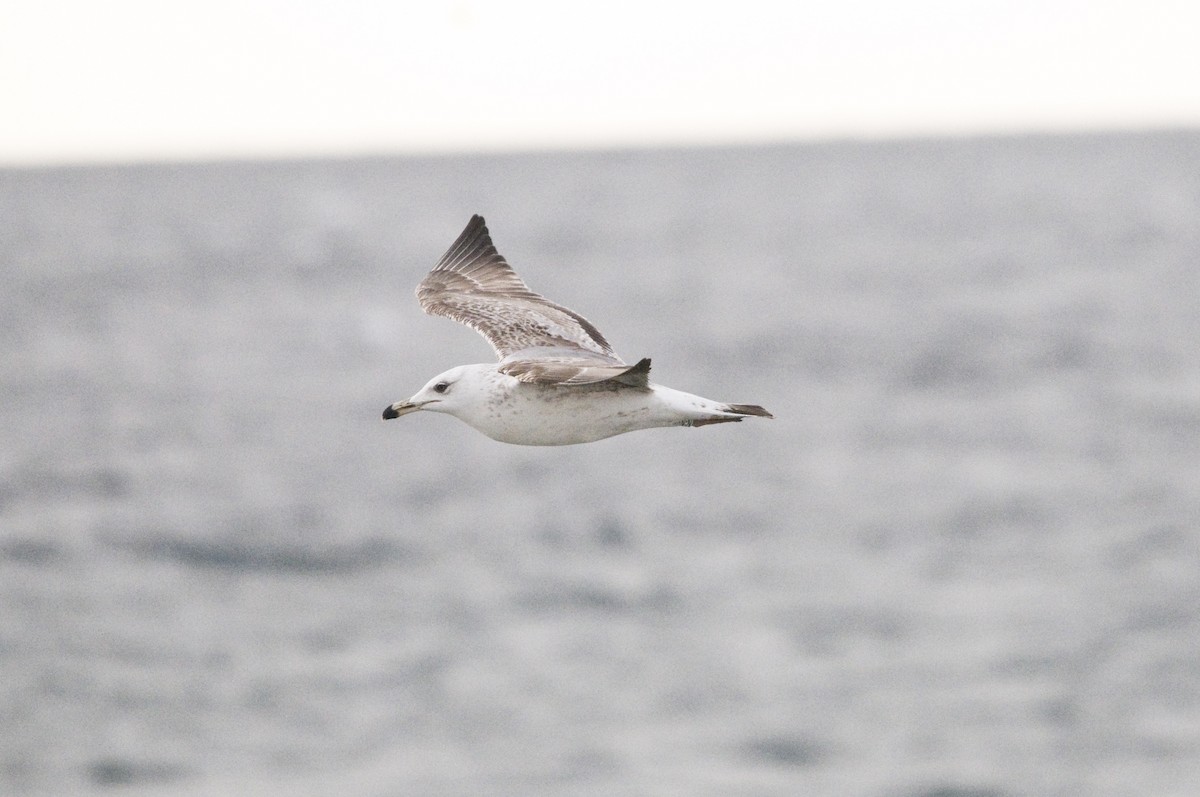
963, 561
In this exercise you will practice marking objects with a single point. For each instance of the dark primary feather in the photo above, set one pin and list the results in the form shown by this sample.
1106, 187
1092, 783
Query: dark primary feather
472, 284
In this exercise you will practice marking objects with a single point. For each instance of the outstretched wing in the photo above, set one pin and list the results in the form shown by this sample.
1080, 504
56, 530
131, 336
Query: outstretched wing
472, 284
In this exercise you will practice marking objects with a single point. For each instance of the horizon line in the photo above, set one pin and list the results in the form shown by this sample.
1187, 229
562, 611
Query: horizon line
366, 152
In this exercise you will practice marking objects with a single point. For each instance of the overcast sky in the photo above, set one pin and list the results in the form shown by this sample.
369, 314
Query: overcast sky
147, 79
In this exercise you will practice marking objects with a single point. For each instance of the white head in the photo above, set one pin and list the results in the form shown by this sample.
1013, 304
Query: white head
450, 392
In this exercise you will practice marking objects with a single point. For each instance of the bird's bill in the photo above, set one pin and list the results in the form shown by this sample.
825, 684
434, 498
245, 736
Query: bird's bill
401, 408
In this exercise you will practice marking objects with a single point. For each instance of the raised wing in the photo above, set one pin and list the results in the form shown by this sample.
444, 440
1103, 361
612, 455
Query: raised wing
472, 284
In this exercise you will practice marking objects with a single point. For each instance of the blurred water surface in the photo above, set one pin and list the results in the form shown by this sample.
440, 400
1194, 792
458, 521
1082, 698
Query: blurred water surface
964, 560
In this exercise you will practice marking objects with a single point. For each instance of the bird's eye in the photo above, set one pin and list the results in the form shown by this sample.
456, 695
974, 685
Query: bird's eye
440, 387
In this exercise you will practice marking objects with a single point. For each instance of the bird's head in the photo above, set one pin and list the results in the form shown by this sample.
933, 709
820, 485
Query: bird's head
447, 392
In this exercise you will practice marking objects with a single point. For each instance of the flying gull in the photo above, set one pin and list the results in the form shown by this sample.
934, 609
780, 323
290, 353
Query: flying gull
558, 381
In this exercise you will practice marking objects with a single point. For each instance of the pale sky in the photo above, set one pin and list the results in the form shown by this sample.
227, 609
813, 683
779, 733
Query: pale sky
150, 80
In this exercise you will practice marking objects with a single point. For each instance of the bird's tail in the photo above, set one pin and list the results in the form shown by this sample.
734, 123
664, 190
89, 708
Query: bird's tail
736, 413
748, 409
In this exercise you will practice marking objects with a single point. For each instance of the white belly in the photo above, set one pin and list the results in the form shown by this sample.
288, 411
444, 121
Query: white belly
537, 415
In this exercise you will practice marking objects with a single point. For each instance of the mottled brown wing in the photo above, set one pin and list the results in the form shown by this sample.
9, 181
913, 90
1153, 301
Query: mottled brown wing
576, 371
472, 284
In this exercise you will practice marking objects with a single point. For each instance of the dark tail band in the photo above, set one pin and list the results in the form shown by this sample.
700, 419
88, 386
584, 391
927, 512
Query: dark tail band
748, 409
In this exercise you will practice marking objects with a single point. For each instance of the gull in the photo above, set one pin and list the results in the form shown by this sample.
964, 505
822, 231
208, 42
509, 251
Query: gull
558, 381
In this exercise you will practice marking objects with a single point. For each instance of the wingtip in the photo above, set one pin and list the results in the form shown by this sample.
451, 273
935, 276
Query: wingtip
472, 234
636, 375
476, 228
